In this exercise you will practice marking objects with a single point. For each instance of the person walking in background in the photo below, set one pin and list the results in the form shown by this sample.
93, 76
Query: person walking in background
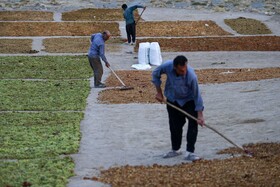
130, 25
97, 52
181, 90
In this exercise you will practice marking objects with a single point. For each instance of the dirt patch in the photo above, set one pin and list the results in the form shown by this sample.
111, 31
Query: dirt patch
92, 14
13, 46
179, 29
258, 150
248, 26
26, 16
210, 76
89, 14
80, 45
77, 45
244, 43
144, 91
260, 170
66, 45
57, 28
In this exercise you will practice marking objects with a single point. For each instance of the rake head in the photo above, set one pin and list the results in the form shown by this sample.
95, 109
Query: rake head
249, 153
126, 88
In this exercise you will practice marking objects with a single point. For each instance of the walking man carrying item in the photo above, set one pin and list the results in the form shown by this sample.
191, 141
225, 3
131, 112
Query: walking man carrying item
97, 52
130, 22
181, 90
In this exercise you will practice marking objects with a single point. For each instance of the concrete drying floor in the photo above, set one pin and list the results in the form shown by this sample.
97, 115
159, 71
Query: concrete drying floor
138, 134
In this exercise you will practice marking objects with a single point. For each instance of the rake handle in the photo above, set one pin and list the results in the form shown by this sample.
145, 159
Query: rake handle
117, 76
212, 128
139, 17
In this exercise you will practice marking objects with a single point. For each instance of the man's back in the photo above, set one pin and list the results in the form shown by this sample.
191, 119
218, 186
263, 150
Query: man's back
128, 14
96, 42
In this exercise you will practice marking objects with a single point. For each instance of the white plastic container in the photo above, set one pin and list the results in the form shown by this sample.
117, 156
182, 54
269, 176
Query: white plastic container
143, 53
155, 54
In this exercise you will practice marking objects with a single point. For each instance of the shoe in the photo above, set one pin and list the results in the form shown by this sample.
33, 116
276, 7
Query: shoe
172, 154
192, 157
101, 85
126, 43
132, 43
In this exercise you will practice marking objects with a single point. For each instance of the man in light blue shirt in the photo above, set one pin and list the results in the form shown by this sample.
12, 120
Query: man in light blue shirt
130, 25
181, 90
95, 52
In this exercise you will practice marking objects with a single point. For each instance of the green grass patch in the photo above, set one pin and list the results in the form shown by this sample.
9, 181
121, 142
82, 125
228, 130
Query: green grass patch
33, 143
248, 26
42, 134
36, 172
53, 95
45, 67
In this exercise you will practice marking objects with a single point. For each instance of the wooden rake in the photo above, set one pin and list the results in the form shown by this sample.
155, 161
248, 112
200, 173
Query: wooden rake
212, 128
124, 87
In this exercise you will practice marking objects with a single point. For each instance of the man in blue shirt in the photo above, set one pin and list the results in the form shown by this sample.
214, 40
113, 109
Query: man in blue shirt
130, 22
95, 52
181, 90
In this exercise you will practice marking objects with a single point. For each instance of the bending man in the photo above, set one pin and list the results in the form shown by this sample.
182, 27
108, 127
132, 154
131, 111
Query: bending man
181, 90
95, 52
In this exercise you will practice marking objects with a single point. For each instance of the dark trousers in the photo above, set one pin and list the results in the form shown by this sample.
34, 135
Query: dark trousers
131, 32
177, 121
95, 64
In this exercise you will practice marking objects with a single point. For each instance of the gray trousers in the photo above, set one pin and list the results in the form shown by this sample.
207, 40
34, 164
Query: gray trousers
95, 64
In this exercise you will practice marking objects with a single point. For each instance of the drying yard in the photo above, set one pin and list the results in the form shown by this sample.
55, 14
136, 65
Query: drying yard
119, 136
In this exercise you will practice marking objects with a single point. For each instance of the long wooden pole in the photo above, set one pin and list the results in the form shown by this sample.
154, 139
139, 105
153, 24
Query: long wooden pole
208, 126
139, 17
